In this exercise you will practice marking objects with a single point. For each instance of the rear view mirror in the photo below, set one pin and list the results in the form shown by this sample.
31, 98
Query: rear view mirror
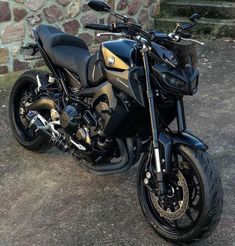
99, 5
195, 17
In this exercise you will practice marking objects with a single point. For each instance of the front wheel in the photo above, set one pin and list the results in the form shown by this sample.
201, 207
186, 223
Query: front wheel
192, 206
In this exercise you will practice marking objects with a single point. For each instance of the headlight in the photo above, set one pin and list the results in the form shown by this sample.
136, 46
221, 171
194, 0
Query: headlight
194, 84
174, 82
177, 86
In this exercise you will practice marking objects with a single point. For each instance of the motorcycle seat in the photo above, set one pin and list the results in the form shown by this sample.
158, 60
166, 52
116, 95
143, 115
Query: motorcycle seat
65, 50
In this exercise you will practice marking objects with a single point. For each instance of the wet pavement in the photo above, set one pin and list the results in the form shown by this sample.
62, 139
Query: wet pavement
47, 199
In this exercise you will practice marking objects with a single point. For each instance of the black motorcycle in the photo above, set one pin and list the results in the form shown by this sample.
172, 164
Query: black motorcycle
114, 109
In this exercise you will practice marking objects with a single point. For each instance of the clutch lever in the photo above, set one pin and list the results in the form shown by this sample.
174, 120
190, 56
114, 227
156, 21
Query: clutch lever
109, 34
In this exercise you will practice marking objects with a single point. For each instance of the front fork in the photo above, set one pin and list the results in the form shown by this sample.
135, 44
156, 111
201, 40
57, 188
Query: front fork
154, 123
153, 118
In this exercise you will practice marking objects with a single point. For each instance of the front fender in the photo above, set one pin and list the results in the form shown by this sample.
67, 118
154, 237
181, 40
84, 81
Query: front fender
188, 139
168, 141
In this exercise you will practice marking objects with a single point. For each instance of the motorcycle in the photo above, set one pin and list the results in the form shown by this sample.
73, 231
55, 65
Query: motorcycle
114, 109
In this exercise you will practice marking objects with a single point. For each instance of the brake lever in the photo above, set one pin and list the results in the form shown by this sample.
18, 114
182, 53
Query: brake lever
177, 38
192, 40
174, 36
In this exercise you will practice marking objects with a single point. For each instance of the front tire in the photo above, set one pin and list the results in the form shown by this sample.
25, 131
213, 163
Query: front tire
211, 203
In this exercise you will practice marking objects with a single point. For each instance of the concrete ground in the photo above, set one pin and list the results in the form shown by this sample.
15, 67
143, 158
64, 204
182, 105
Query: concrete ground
46, 199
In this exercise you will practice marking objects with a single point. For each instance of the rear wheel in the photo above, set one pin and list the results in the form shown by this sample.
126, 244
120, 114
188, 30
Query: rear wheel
22, 94
192, 207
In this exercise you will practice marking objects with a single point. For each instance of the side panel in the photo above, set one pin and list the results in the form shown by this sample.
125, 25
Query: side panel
91, 91
96, 73
128, 81
117, 113
120, 69
117, 109
106, 89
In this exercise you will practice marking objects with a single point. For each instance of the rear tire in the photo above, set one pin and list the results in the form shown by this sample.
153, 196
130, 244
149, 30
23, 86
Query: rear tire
26, 81
211, 205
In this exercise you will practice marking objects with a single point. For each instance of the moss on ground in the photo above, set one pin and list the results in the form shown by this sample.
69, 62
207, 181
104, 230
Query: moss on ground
7, 80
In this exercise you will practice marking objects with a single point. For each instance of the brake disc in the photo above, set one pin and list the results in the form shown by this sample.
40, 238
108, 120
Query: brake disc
182, 204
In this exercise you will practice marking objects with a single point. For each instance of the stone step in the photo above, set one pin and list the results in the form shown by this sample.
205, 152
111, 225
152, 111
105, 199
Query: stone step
232, 1
207, 9
205, 26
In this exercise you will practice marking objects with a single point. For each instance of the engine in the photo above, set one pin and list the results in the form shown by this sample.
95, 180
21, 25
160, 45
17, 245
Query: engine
85, 127
69, 118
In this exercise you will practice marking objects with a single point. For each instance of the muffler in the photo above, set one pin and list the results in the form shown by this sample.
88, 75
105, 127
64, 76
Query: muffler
40, 125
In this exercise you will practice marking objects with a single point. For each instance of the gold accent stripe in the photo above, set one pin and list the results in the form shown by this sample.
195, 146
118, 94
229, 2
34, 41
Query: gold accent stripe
118, 64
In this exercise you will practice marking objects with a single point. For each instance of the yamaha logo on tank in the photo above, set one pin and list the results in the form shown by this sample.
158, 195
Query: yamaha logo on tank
111, 60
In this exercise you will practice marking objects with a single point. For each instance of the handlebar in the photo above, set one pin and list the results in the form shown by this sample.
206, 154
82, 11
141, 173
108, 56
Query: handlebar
133, 30
185, 35
115, 27
100, 27
127, 28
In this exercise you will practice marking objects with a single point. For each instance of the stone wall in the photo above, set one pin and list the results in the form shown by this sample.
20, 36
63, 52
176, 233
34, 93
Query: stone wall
18, 17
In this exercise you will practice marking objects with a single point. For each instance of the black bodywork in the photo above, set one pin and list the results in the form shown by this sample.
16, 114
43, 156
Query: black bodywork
170, 78
114, 108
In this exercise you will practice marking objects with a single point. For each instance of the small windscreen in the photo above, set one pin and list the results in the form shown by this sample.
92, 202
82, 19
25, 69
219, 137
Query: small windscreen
184, 51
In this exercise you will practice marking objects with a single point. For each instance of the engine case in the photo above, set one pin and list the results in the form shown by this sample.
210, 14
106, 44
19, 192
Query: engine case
68, 119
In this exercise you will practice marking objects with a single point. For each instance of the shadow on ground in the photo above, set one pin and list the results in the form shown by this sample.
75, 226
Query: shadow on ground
46, 199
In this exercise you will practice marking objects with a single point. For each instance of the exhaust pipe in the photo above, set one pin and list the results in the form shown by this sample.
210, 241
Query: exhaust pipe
111, 168
43, 104
40, 125
57, 142
129, 156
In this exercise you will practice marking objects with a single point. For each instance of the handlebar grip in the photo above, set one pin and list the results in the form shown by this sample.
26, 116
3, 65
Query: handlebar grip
185, 35
100, 27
